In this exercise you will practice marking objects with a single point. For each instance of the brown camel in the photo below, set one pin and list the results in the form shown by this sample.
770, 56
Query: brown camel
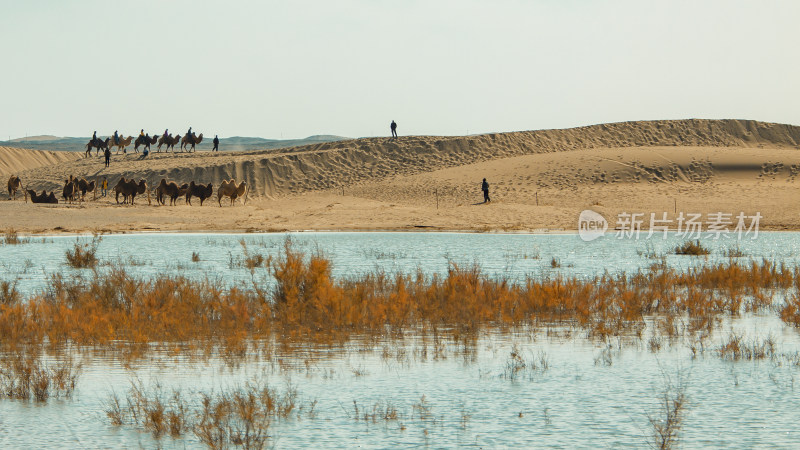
99, 145
84, 187
232, 190
169, 141
170, 189
70, 190
129, 189
43, 198
122, 144
145, 141
202, 191
193, 140
14, 183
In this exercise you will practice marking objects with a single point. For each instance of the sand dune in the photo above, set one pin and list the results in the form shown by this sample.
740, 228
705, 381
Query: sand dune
274, 173
539, 180
15, 160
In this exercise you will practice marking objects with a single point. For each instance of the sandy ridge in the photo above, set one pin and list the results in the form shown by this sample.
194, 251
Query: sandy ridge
275, 173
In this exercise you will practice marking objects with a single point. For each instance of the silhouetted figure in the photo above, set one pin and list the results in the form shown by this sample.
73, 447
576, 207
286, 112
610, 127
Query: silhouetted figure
393, 126
94, 139
485, 189
116, 137
216, 144
107, 154
166, 133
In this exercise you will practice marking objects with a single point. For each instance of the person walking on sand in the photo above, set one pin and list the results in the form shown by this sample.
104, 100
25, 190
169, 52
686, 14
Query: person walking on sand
485, 189
107, 154
216, 144
104, 186
393, 126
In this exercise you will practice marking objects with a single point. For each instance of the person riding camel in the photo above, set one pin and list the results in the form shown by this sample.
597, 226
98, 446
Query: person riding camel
166, 134
116, 137
94, 138
141, 134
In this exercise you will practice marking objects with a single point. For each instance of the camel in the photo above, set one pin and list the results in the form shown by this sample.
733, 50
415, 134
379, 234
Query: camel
84, 187
100, 145
14, 183
230, 189
43, 198
170, 189
186, 140
129, 189
145, 141
199, 190
69, 190
122, 144
169, 141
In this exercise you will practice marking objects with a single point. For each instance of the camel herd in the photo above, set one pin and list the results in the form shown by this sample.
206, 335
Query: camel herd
75, 189
187, 142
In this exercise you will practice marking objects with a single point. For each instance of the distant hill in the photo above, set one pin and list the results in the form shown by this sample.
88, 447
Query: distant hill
235, 143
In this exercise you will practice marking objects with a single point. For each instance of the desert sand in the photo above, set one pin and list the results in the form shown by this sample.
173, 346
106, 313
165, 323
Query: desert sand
539, 181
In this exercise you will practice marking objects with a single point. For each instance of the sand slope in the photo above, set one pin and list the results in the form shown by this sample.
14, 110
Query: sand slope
16, 160
540, 180
333, 165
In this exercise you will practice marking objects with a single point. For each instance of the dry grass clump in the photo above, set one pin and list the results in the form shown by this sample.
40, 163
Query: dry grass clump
691, 248
241, 416
11, 237
195, 257
737, 348
9, 295
25, 377
518, 365
83, 254
666, 423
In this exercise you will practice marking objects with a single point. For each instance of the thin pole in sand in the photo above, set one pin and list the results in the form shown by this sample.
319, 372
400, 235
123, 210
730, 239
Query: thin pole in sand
676, 205
437, 197
537, 198
342, 191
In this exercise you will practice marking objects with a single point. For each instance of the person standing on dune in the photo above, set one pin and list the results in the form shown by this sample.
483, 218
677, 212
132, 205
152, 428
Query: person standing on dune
216, 144
107, 154
485, 189
393, 126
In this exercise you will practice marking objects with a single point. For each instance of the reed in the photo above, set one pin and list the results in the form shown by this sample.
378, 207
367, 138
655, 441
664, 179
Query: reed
692, 249
10, 237
84, 254
26, 377
240, 416
303, 302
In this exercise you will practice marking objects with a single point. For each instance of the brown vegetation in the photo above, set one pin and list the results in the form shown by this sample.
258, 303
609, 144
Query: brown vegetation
305, 302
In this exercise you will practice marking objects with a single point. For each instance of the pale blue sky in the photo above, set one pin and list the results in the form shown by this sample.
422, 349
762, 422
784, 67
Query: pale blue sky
295, 68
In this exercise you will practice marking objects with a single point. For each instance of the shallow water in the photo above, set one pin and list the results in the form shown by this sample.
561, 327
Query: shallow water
593, 394
472, 401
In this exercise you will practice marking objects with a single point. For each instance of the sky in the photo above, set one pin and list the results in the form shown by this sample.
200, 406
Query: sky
294, 68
